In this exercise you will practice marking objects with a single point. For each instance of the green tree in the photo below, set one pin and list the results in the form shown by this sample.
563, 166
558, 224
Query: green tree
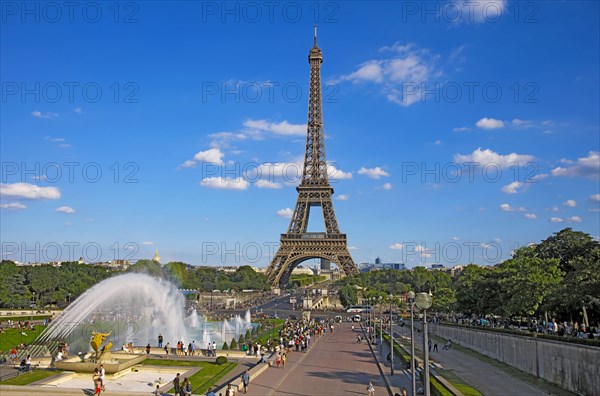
348, 295
525, 282
565, 246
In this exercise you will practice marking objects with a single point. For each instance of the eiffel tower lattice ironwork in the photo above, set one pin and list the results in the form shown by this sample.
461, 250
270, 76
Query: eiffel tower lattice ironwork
297, 244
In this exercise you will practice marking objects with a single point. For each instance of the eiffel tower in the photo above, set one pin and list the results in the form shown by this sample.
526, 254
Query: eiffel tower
297, 244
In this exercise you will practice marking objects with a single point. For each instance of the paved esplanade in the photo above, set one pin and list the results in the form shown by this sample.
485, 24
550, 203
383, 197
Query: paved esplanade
334, 365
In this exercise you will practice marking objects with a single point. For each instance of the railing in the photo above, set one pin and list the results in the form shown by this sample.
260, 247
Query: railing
18, 371
313, 235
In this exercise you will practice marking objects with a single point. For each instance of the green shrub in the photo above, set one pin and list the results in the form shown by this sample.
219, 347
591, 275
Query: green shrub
225, 347
221, 360
241, 340
248, 334
233, 344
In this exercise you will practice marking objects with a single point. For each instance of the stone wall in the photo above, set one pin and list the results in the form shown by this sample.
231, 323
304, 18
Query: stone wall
571, 366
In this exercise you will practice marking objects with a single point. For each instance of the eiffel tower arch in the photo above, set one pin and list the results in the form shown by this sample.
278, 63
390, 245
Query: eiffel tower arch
298, 244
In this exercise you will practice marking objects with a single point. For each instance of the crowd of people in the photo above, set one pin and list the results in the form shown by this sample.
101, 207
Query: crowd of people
540, 326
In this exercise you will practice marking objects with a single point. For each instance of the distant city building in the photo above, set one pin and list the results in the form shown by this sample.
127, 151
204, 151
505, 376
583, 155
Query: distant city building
325, 264
437, 266
379, 265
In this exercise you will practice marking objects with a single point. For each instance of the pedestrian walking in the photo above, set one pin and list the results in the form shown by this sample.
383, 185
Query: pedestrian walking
430, 344
102, 376
371, 389
96, 379
176, 386
246, 380
435, 348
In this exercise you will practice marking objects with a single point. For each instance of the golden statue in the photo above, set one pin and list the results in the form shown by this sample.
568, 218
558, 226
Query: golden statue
97, 340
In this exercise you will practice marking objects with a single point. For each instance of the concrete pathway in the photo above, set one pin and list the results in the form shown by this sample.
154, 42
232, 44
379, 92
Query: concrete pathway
334, 365
484, 377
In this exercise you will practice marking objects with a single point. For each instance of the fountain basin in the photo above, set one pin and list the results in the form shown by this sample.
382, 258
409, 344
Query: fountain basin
118, 362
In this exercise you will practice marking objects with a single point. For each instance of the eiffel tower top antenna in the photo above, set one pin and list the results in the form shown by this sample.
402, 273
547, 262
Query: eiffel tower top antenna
315, 35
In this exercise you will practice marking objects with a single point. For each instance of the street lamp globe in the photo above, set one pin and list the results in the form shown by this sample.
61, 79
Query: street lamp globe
423, 300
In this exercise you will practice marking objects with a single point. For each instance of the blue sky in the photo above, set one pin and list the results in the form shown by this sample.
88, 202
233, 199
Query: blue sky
456, 131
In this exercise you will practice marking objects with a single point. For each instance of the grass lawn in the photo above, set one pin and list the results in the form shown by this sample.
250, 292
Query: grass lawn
513, 372
12, 337
28, 378
458, 383
269, 333
209, 374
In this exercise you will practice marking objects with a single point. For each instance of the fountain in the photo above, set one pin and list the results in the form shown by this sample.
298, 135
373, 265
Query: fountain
133, 309
130, 309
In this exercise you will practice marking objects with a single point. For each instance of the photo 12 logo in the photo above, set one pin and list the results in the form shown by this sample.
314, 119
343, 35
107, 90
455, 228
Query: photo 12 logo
53, 252
69, 11
269, 11
68, 92
69, 172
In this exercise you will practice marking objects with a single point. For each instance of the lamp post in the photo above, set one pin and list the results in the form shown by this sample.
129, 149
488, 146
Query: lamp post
32, 302
380, 326
411, 301
423, 301
391, 296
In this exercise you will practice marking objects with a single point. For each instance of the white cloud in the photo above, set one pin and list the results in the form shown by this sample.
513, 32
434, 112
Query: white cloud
65, 209
48, 114
585, 167
188, 164
283, 128
461, 129
489, 123
437, 142
595, 198
225, 183
285, 213
530, 216
268, 184
387, 186
336, 174
507, 208
593, 210
13, 206
397, 246
555, 209
511, 188
352, 248
211, 156
147, 243
570, 203
400, 75
574, 219
556, 220
455, 238
28, 191
342, 197
373, 173
78, 110
488, 157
